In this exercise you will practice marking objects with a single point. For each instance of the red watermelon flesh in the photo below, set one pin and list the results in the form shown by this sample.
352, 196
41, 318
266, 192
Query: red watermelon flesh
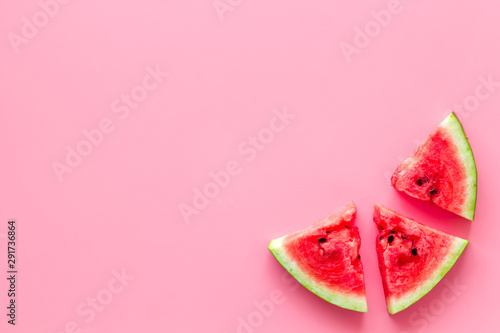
325, 259
441, 170
412, 257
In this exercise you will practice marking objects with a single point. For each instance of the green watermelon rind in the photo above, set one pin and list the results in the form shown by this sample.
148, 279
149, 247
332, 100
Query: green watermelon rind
453, 126
404, 302
351, 302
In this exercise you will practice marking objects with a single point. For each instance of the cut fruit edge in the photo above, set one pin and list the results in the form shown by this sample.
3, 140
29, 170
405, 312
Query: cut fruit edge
405, 301
453, 126
351, 302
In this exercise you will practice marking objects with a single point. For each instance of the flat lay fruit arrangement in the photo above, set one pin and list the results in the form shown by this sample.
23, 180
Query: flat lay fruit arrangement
412, 257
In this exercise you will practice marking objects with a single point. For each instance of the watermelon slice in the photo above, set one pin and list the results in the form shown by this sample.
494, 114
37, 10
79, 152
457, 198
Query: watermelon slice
325, 259
441, 170
412, 257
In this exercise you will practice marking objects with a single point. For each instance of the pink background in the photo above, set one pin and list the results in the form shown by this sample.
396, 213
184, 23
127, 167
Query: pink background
356, 116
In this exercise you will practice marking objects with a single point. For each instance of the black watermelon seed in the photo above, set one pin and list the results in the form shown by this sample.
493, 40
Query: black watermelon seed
380, 238
434, 191
390, 239
414, 251
328, 232
359, 256
419, 182
322, 239
393, 232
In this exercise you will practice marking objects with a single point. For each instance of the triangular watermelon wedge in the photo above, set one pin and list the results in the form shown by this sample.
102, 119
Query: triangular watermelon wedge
442, 170
325, 259
412, 257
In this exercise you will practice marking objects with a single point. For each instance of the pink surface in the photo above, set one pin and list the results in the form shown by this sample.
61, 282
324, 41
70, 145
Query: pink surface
305, 105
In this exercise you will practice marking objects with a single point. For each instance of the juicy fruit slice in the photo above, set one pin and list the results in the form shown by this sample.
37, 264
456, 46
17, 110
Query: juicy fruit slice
412, 257
442, 170
325, 259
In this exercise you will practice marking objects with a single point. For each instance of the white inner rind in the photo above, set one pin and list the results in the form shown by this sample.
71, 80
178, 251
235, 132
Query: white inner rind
453, 126
396, 305
357, 303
